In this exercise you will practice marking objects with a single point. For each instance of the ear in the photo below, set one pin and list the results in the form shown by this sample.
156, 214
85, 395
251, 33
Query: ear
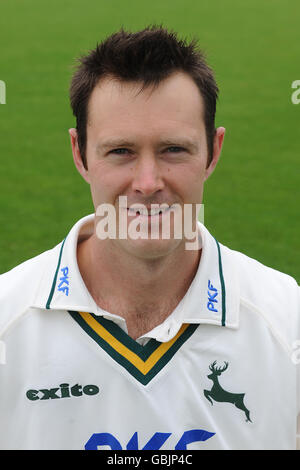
77, 156
218, 143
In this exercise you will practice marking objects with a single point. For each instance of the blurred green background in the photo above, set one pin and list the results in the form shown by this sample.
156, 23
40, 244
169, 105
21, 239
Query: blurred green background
251, 200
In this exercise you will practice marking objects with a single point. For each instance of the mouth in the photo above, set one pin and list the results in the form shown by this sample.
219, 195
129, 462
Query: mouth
149, 213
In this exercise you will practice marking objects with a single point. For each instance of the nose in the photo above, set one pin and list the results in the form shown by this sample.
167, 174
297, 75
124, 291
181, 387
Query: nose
147, 178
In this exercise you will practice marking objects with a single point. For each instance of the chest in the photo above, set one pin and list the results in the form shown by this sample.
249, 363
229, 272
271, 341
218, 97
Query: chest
73, 386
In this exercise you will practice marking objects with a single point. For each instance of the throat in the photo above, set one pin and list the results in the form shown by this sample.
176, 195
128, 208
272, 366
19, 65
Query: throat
141, 323
140, 319
144, 296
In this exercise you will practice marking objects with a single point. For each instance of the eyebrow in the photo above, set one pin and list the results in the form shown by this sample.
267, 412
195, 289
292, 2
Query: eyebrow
180, 142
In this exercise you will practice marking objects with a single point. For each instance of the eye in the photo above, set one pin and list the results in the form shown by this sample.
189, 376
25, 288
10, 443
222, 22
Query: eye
120, 151
175, 149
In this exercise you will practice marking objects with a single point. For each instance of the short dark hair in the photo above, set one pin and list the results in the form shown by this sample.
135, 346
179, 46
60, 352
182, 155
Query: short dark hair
148, 56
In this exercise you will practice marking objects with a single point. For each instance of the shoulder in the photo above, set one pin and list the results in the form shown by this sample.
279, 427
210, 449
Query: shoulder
260, 283
18, 286
267, 292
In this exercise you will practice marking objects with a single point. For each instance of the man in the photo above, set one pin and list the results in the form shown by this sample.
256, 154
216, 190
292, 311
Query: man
139, 342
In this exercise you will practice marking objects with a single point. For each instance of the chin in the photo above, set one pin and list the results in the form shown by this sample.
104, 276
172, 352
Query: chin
150, 249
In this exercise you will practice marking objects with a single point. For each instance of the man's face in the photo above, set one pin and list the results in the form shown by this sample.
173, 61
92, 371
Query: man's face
149, 146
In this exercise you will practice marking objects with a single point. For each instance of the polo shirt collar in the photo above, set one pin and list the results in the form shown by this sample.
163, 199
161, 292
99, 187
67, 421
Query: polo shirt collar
212, 298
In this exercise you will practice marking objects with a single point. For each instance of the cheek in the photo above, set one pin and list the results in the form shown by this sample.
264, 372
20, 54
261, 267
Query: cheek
106, 183
189, 183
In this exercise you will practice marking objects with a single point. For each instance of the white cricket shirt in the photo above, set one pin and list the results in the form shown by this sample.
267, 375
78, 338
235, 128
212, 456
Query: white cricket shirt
219, 373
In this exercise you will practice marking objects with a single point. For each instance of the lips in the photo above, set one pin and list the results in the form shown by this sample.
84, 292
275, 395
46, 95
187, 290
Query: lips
148, 211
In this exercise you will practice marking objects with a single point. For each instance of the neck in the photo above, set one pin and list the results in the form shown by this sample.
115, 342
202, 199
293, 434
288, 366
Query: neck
142, 291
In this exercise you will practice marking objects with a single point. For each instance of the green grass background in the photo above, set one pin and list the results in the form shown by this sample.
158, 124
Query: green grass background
252, 199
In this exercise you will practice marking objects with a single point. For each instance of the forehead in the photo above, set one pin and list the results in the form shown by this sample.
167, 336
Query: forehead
175, 102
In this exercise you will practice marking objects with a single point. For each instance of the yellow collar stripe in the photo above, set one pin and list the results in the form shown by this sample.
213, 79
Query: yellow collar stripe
143, 366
